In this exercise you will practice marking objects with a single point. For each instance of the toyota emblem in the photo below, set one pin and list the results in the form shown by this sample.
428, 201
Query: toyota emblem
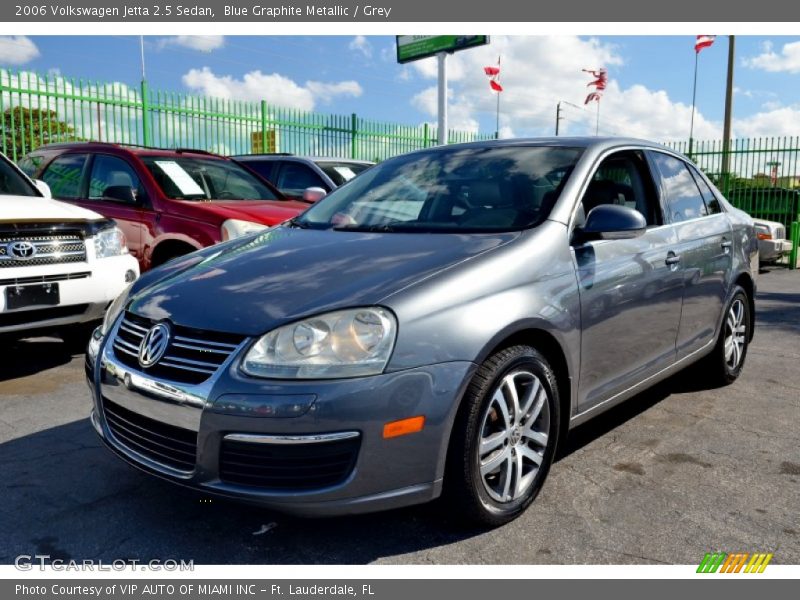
22, 250
154, 344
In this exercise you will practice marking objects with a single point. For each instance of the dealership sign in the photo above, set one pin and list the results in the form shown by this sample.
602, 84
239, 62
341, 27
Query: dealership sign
415, 47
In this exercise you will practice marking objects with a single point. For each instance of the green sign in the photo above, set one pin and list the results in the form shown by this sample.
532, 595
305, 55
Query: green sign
415, 47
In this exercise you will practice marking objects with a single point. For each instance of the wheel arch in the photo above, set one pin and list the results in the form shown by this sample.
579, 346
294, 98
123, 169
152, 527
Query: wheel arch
170, 247
746, 282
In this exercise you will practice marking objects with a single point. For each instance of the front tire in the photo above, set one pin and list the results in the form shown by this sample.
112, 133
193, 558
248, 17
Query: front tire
726, 361
504, 438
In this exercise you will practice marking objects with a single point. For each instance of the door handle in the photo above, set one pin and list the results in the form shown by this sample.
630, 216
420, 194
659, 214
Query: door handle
726, 244
672, 259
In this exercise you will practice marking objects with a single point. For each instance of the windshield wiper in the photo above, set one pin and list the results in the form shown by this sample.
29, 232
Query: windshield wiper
369, 228
297, 223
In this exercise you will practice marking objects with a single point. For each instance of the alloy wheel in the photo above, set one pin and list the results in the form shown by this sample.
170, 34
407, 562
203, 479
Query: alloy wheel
514, 434
735, 334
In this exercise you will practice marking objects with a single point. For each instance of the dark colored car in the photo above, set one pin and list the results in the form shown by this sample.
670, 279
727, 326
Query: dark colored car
302, 177
435, 326
167, 202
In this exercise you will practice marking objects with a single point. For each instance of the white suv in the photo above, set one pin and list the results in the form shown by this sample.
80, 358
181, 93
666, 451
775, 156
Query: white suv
60, 265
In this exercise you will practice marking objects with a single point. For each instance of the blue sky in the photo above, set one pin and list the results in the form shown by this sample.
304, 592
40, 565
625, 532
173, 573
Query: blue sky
650, 91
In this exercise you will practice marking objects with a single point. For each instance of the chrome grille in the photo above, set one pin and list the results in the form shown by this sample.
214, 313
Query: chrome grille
192, 355
165, 444
49, 250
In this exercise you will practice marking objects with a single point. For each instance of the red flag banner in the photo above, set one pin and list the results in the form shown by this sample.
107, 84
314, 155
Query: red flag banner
703, 41
593, 97
493, 73
599, 82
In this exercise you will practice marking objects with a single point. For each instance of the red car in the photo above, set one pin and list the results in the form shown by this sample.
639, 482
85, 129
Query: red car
167, 202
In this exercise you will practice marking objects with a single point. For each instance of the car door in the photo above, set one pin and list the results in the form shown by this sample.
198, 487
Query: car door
115, 190
294, 177
630, 289
704, 250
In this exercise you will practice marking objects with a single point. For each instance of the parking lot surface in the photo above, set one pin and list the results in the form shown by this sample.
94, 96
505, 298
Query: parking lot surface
671, 474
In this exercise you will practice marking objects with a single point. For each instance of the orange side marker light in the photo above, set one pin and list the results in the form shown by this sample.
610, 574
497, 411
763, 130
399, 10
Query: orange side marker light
403, 427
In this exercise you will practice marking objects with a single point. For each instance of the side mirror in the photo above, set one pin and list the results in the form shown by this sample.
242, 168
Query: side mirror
613, 222
43, 188
120, 193
313, 194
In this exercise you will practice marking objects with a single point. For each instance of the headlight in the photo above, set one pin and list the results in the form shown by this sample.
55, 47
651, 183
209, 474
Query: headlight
345, 343
114, 309
109, 242
234, 228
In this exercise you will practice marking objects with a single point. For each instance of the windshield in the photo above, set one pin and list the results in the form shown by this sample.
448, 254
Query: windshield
12, 183
450, 190
191, 178
342, 172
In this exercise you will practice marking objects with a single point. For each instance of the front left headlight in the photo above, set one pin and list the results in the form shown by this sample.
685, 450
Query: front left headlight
113, 310
109, 242
345, 343
235, 228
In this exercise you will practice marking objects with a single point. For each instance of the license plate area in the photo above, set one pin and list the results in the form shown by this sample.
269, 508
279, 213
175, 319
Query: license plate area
26, 296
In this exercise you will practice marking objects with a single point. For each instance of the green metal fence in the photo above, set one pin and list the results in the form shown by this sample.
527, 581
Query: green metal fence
39, 109
759, 175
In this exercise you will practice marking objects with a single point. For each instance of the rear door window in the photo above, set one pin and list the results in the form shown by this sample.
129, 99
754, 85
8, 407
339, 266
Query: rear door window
712, 203
65, 175
296, 177
109, 175
684, 200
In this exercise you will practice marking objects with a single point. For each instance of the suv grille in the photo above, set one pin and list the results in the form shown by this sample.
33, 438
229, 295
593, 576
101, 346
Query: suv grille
192, 355
287, 467
165, 444
47, 250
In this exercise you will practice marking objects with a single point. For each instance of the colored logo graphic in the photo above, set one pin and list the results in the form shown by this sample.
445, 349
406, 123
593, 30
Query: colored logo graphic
738, 562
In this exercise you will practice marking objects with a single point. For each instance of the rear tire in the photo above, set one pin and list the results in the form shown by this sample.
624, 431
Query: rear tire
504, 438
726, 361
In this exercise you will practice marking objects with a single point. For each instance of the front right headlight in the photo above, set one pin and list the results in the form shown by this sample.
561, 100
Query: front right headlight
345, 343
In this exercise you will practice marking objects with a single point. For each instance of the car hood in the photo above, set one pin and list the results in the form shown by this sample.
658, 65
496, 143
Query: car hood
268, 212
285, 274
16, 209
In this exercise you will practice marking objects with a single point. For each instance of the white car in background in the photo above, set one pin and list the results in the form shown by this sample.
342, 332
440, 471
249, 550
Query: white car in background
60, 265
772, 242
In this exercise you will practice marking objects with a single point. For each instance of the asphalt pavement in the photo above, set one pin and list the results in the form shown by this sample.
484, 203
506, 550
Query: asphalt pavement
671, 474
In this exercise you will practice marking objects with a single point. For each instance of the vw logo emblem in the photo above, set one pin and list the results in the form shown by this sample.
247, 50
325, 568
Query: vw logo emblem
22, 250
154, 344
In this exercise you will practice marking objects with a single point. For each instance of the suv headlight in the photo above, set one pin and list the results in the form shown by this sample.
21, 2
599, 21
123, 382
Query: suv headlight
109, 242
234, 228
345, 343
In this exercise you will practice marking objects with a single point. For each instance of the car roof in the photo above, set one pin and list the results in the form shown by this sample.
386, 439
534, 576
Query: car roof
132, 148
315, 159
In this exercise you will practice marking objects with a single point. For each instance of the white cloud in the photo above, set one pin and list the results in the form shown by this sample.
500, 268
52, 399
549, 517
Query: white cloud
273, 87
361, 45
787, 61
768, 123
325, 92
201, 43
17, 49
538, 72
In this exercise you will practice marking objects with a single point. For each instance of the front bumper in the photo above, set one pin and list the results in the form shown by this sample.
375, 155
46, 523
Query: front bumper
386, 473
772, 250
86, 287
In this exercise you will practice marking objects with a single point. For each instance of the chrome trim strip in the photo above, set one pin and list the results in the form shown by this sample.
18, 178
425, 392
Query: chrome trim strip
165, 363
126, 323
314, 438
199, 342
193, 363
129, 328
126, 345
196, 348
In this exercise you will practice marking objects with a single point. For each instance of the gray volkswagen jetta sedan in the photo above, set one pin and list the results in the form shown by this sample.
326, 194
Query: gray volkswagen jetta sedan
434, 327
